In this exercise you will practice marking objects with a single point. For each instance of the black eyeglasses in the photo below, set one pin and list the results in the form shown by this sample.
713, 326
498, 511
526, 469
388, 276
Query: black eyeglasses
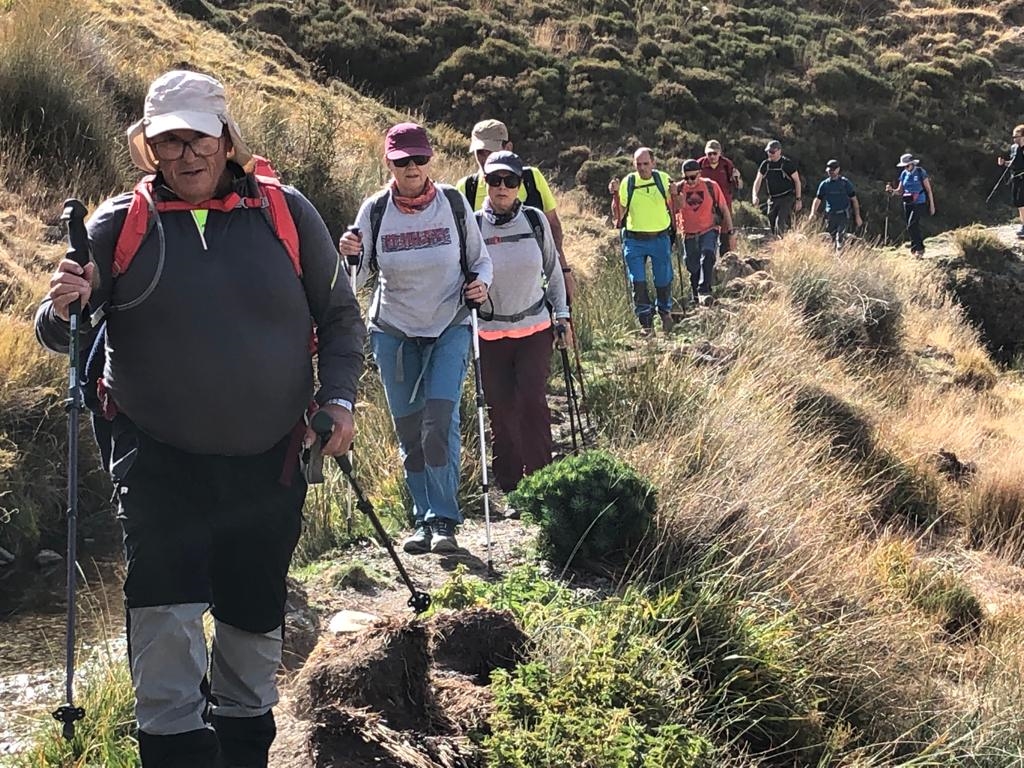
691, 176
496, 180
402, 162
174, 149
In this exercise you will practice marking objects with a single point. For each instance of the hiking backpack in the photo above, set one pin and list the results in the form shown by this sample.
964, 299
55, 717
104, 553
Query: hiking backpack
455, 200
631, 188
533, 197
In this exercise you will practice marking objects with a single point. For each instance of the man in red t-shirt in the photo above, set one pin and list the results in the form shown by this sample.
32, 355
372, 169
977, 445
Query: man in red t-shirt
719, 168
700, 207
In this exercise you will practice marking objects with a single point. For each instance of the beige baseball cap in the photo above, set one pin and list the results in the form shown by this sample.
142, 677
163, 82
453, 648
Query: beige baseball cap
182, 100
490, 135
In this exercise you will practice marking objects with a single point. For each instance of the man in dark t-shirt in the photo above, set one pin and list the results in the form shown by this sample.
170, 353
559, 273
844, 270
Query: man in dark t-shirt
1016, 163
779, 175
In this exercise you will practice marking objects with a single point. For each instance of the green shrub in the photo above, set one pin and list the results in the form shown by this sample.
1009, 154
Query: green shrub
980, 248
944, 595
591, 507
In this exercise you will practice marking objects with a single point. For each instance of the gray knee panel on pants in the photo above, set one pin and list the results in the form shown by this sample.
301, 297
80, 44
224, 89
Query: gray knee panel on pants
168, 662
242, 676
408, 430
437, 422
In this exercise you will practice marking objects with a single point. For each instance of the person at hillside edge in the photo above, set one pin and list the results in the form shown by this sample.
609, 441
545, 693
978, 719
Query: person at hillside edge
1016, 164
208, 369
782, 181
839, 197
414, 236
642, 209
699, 206
915, 188
720, 169
516, 338
492, 136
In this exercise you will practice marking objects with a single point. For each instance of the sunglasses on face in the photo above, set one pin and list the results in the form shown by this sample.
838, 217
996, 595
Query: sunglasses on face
496, 180
402, 162
691, 176
174, 149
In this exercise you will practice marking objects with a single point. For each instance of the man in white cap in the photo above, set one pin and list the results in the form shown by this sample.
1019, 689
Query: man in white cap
207, 377
915, 188
492, 136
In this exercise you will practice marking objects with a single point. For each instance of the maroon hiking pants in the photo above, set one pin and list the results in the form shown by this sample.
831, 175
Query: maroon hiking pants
515, 374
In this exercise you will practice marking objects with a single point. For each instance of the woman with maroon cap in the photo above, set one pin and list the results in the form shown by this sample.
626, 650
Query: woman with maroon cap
428, 262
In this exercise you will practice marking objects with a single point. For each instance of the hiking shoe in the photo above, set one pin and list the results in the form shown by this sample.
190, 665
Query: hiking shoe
667, 323
706, 300
419, 542
1020, 232
444, 536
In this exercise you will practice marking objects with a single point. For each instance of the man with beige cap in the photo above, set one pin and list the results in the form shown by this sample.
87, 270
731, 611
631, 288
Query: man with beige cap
492, 136
206, 382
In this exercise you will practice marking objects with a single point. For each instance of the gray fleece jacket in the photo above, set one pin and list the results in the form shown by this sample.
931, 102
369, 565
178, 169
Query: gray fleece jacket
216, 359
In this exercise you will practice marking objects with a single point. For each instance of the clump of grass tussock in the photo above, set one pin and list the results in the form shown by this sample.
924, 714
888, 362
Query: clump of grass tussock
847, 302
60, 117
107, 735
994, 509
979, 247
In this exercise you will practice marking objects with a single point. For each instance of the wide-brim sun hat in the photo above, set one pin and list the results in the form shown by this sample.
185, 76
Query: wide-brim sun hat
182, 100
906, 159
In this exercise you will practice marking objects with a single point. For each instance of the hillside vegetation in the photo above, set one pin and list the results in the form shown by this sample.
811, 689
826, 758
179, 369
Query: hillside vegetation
817, 589
583, 84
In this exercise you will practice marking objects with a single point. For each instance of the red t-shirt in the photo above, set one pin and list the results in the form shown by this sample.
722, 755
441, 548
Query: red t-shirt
722, 174
695, 210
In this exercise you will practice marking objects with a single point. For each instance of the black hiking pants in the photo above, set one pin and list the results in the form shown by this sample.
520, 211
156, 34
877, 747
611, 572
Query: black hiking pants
205, 533
914, 213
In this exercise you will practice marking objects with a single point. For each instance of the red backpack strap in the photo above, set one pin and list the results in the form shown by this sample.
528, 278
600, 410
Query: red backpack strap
136, 225
281, 218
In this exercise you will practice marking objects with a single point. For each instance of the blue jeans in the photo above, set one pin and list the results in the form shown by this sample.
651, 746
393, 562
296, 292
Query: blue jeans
659, 250
700, 253
423, 384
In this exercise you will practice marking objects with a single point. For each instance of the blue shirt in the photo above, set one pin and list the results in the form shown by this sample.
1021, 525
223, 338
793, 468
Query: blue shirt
913, 184
836, 193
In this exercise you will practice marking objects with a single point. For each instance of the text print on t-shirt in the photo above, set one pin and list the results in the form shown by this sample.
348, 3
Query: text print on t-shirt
414, 241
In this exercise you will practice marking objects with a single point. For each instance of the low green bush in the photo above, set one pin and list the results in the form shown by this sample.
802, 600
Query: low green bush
590, 507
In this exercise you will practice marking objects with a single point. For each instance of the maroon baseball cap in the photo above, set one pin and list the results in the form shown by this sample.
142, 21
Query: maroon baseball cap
406, 140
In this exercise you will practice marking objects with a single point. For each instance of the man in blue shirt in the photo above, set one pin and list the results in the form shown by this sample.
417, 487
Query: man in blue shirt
839, 196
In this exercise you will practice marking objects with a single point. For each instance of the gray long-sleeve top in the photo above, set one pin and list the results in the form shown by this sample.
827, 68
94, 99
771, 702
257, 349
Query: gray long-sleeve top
420, 280
521, 269
216, 359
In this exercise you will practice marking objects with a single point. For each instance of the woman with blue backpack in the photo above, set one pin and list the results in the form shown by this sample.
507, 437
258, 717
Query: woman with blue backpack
915, 188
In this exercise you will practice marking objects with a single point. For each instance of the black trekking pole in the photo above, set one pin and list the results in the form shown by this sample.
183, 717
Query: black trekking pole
480, 402
78, 251
323, 425
353, 267
579, 376
999, 183
570, 390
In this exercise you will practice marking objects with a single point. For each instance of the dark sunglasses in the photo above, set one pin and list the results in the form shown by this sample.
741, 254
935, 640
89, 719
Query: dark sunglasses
402, 162
495, 180
691, 176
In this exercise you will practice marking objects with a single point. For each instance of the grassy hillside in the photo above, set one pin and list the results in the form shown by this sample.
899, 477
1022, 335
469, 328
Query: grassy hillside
815, 592
583, 84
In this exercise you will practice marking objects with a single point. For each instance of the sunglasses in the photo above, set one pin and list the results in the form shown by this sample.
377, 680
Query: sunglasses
495, 180
691, 176
402, 162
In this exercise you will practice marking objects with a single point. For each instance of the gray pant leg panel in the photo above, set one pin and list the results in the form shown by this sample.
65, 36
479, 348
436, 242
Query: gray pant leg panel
168, 662
437, 422
408, 429
242, 677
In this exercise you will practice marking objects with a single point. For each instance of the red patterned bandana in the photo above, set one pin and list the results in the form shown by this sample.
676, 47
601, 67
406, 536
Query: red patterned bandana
413, 204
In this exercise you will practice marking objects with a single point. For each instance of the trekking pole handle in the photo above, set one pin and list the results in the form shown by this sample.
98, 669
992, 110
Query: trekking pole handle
78, 237
470, 277
353, 261
560, 333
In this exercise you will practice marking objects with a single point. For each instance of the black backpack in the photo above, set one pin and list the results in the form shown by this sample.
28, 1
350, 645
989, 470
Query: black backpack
457, 202
533, 197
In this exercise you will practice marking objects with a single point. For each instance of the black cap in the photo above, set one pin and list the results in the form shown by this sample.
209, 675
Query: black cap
690, 166
831, 164
504, 161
